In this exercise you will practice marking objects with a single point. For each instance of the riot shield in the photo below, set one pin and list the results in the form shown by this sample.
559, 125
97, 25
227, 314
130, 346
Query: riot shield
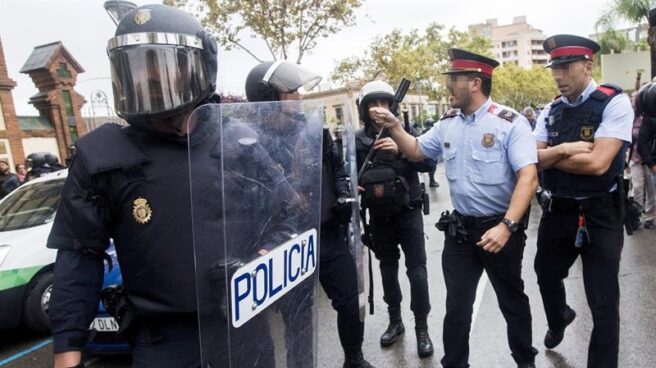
255, 171
355, 227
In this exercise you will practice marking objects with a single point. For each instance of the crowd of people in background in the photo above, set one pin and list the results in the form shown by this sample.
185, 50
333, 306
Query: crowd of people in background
38, 164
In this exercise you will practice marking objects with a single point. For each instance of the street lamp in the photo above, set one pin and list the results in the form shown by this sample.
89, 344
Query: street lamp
118, 9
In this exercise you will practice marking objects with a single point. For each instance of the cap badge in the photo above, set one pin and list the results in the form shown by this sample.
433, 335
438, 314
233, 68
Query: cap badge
141, 211
141, 17
488, 140
587, 132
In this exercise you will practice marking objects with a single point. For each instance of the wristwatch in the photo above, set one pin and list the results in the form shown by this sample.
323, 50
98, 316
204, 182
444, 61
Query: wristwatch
512, 225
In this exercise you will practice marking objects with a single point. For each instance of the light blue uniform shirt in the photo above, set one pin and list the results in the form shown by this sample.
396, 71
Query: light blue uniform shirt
616, 120
482, 153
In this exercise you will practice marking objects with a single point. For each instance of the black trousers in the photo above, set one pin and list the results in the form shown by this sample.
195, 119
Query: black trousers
166, 343
174, 343
463, 264
601, 263
338, 277
407, 229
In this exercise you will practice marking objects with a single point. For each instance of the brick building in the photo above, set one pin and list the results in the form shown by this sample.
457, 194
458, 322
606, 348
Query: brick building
59, 123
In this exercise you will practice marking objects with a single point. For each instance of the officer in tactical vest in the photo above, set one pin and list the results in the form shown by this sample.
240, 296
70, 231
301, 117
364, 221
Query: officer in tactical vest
490, 164
393, 196
121, 186
281, 81
581, 137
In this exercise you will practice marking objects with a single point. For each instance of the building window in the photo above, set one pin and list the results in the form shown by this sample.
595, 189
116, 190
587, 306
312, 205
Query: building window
63, 71
68, 103
73, 131
339, 114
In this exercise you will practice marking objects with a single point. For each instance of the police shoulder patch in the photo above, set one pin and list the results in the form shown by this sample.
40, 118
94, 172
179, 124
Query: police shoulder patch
507, 115
450, 114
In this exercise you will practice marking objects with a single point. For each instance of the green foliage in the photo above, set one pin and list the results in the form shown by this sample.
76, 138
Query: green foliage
286, 26
418, 56
633, 11
518, 87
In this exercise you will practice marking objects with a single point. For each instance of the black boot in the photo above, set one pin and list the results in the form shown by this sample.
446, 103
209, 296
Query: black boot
356, 360
555, 337
424, 343
394, 329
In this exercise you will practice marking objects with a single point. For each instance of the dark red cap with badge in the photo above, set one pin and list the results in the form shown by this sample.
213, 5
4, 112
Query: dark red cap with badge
467, 62
565, 48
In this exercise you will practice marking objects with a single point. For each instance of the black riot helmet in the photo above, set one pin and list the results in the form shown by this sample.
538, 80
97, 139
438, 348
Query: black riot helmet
373, 91
36, 160
162, 62
51, 159
267, 80
645, 102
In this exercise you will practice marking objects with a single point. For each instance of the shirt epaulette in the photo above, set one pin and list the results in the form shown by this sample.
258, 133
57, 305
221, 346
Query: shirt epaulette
450, 114
507, 115
609, 89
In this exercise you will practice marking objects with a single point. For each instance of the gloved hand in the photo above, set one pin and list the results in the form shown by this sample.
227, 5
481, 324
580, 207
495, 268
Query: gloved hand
342, 213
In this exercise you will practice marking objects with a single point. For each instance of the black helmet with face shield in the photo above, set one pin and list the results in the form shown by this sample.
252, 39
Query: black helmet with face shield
162, 62
267, 80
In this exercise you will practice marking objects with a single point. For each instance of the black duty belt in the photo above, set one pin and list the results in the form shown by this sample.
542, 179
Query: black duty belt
484, 222
562, 204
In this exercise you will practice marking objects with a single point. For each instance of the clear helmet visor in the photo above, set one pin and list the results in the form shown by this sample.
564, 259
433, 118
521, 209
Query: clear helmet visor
288, 77
155, 79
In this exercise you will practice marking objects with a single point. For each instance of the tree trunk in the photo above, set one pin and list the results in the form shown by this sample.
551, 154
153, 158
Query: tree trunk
651, 40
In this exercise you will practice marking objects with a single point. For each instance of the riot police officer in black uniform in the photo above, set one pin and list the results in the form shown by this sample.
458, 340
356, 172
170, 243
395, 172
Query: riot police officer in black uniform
399, 221
38, 164
279, 81
53, 162
131, 184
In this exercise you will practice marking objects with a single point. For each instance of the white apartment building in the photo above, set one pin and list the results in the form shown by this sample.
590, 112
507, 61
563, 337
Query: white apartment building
518, 43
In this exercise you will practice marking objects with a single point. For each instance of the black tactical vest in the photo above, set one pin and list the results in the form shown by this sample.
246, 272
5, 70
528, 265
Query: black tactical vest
144, 181
579, 123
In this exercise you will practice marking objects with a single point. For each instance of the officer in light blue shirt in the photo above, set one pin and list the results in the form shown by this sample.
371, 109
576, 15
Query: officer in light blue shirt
490, 158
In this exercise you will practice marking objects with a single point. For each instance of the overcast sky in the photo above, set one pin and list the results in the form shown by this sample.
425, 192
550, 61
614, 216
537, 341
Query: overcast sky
84, 28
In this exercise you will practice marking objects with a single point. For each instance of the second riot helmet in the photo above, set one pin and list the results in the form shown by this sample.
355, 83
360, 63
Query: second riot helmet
375, 90
267, 80
645, 102
162, 62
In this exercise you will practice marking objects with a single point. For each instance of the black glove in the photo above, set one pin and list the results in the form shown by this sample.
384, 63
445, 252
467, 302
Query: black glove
342, 213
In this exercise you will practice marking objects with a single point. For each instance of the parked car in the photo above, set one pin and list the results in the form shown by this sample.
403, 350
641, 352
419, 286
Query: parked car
26, 265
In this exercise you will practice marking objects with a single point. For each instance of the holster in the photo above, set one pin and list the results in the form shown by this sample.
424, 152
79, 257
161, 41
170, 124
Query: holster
452, 225
544, 199
118, 305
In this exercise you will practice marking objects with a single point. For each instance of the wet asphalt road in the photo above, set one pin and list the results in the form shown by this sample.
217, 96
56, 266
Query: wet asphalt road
488, 343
